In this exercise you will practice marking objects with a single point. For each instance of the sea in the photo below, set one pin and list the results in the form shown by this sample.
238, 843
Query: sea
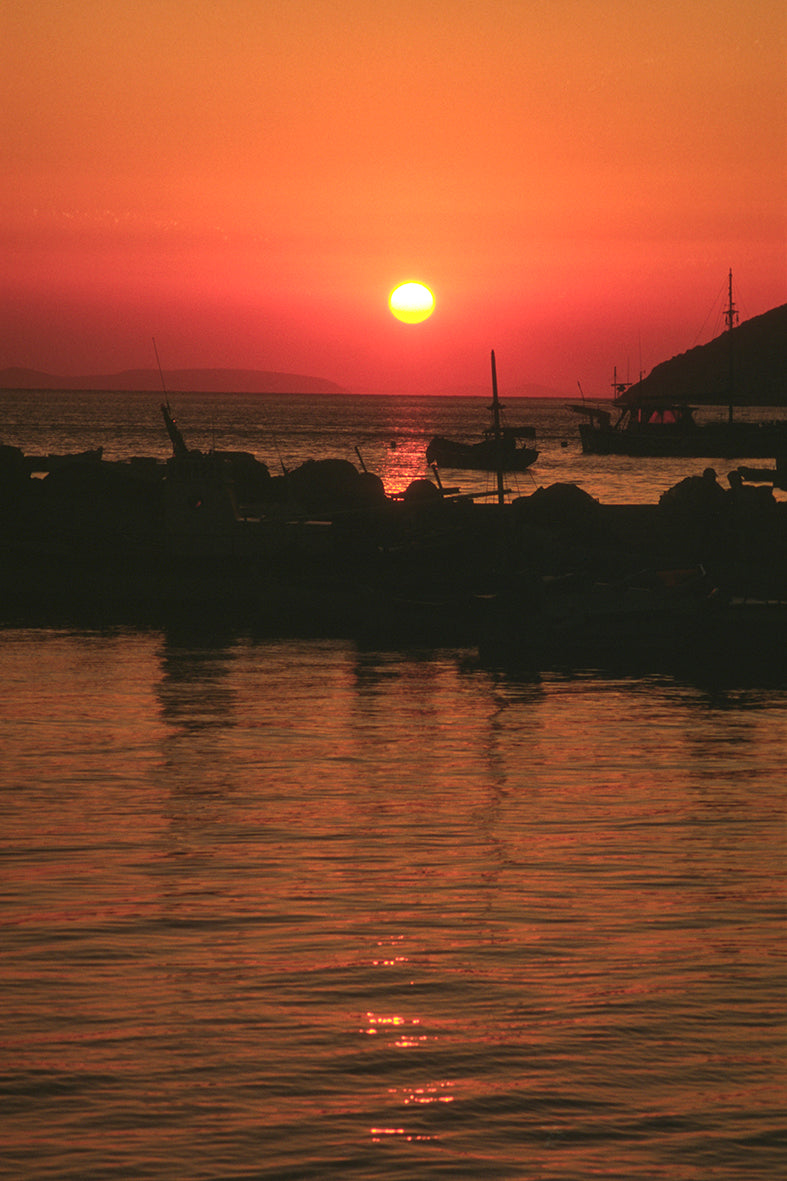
296, 908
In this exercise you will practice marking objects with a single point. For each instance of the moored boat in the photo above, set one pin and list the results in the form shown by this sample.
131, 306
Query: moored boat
673, 431
486, 455
659, 416
500, 449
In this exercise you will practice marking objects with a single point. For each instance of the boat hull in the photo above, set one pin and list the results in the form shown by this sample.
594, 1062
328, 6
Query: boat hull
485, 456
713, 441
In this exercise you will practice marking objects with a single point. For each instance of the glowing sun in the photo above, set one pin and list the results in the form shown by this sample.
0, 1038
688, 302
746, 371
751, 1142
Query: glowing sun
411, 302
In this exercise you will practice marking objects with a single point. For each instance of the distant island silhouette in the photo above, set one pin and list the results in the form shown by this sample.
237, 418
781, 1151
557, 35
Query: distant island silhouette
229, 381
212, 381
701, 375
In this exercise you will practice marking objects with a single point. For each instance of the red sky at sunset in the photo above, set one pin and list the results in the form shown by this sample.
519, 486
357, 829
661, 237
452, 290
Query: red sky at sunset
247, 181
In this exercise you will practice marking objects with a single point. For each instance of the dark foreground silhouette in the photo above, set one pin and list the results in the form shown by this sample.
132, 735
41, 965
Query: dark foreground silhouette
323, 550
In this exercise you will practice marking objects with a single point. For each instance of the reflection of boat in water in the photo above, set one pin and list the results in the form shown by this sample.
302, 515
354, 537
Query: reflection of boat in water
650, 423
498, 450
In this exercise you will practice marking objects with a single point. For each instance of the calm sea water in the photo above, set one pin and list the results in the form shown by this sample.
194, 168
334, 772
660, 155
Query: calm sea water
290, 909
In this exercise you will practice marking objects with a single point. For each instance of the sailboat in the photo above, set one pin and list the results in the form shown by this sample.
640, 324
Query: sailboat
498, 451
654, 425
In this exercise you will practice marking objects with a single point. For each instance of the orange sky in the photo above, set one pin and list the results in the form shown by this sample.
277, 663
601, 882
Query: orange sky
247, 180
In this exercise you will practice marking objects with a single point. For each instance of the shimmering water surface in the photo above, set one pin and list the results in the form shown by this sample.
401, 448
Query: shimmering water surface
295, 909
391, 434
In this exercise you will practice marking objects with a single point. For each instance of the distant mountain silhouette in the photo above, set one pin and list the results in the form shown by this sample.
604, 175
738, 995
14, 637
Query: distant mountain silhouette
702, 375
213, 381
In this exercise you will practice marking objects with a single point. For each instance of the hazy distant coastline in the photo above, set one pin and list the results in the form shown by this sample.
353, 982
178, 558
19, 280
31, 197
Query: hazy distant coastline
230, 381
755, 372
214, 381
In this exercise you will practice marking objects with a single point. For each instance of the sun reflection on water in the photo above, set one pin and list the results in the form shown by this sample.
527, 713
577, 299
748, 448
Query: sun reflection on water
405, 1041
225, 875
425, 1095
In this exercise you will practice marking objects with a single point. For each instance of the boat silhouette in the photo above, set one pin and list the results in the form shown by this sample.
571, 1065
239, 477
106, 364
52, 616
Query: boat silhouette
498, 451
650, 423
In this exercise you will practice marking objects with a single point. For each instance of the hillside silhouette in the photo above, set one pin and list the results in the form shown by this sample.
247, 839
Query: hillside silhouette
757, 375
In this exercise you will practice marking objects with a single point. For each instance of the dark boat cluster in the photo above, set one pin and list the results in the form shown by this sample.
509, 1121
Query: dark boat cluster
214, 538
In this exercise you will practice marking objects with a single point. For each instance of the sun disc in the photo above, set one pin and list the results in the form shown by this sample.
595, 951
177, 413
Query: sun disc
411, 302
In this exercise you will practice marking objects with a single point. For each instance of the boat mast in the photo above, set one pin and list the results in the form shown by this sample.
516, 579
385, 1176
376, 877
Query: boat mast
731, 316
618, 387
496, 434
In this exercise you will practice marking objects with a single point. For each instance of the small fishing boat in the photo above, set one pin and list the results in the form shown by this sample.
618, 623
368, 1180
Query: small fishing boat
486, 455
672, 431
499, 449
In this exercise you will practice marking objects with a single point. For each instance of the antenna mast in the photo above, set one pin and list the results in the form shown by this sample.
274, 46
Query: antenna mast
161, 374
731, 316
496, 433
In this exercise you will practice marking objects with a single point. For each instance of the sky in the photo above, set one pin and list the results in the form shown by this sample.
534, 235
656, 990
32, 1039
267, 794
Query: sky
247, 180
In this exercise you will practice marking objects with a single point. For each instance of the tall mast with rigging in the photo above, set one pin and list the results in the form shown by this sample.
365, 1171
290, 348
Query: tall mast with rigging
731, 316
496, 434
